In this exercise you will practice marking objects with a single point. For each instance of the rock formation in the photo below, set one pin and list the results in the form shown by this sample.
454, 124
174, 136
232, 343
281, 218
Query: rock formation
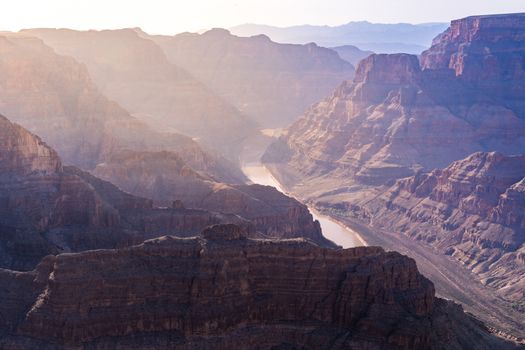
272, 83
472, 210
54, 97
164, 177
134, 72
46, 208
225, 291
395, 118
403, 118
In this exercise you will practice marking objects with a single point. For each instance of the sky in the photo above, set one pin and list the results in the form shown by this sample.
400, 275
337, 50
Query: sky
175, 16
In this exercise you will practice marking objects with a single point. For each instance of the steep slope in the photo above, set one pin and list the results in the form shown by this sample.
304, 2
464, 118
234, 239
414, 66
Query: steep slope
46, 208
394, 118
486, 53
472, 210
399, 118
272, 83
54, 97
165, 178
377, 37
134, 72
173, 293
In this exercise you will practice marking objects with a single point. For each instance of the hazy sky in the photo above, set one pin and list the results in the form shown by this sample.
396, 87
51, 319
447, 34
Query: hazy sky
164, 16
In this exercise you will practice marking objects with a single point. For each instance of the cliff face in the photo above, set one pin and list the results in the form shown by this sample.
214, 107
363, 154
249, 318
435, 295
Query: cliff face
400, 118
24, 154
46, 208
487, 54
165, 178
226, 291
471, 210
272, 83
135, 72
54, 97
395, 118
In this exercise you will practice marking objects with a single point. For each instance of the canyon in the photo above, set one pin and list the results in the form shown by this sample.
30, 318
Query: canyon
136, 211
165, 178
47, 208
421, 155
76, 275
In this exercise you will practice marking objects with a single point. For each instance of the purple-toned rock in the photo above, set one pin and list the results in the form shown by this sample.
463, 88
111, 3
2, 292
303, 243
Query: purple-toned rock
472, 210
224, 291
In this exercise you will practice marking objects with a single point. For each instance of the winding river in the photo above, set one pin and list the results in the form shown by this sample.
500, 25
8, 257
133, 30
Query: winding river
333, 230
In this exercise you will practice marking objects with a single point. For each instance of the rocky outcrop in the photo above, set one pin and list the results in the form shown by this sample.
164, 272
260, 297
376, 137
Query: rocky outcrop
53, 96
23, 154
471, 210
173, 293
165, 178
134, 72
272, 83
487, 54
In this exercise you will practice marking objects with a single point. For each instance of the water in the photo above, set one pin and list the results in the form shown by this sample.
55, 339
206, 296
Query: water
334, 231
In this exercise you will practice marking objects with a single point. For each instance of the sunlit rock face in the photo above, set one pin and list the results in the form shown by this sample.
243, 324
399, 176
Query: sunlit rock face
398, 116
226, 291
54, 97
272, 83
135, 72
472, 210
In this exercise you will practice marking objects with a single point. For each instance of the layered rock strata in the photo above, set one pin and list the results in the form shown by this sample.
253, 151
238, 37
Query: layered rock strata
227, 291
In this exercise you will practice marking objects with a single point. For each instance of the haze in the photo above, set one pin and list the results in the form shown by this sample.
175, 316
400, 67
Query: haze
168, 17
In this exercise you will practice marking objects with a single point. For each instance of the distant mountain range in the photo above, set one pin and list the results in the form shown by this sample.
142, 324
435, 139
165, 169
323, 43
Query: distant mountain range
377, 37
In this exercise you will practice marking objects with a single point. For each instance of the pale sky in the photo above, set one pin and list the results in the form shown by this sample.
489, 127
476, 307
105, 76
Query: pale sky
170, 17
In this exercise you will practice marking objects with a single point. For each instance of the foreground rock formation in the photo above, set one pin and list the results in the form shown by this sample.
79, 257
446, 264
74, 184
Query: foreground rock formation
225, 291
135, 72
272, 83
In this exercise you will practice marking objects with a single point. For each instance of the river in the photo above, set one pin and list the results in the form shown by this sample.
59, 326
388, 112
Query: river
333, 230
